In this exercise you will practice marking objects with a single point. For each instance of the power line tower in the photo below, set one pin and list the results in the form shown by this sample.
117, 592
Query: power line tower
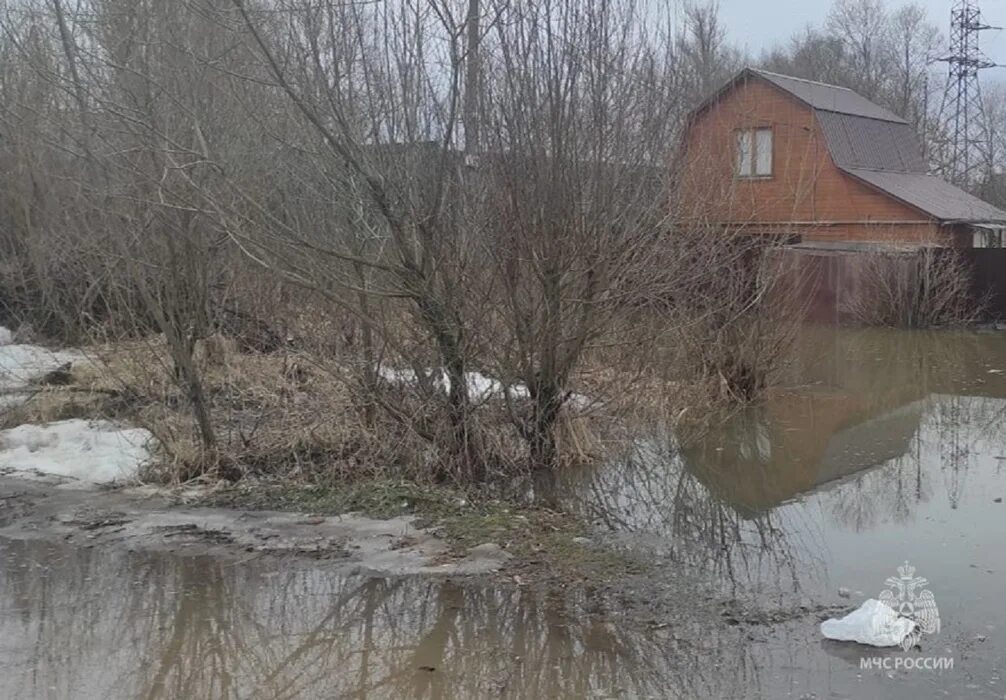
968, 158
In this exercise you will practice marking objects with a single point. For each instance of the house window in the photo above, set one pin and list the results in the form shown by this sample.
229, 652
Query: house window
754, 152
987, 237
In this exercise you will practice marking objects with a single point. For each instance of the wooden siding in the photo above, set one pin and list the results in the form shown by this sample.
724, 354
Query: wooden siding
831, 282
806, 193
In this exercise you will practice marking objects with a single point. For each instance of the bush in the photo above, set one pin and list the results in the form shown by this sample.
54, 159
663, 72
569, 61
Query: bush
918, 288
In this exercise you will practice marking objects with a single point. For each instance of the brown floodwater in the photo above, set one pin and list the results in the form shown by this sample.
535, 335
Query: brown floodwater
882, 447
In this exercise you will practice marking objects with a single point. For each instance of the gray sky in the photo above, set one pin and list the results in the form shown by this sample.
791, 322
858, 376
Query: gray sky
756, 25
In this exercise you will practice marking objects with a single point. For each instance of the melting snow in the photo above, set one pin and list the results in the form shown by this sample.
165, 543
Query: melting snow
480, 386
90, 452
19, 364
93, 452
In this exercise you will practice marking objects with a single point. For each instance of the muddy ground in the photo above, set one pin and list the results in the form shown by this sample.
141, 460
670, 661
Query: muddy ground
144, 518
220, 576
163, 521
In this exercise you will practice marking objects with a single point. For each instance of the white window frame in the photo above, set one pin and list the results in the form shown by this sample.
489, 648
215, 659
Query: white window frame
744, 162
754, 157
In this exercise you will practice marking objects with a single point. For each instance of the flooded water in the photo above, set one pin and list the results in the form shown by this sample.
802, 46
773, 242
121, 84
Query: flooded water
882, 447
105, 624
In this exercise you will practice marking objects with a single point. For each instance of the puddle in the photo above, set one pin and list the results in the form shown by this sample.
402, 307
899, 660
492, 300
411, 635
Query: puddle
104, 623
884, 447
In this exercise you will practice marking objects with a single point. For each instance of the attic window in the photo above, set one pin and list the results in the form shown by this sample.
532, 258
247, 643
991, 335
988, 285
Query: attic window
754, 152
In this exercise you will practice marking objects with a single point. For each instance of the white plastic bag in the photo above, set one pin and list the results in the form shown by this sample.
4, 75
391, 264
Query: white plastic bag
871, 623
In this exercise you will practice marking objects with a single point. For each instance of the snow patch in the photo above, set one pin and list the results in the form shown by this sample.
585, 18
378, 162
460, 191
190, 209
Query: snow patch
93, 452
6, 337
480, 386
871, 623
19, 364
580, 402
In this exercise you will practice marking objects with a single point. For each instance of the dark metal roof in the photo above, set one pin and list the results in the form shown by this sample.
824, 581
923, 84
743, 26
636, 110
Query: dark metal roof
818, 96
861, 142
932, 195
830, 98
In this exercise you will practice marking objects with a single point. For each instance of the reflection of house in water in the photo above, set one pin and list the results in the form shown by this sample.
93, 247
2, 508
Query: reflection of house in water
796, 442
857, 403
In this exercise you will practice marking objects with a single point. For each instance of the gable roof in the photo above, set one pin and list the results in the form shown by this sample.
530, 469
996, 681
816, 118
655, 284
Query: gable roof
817, 96
875, 146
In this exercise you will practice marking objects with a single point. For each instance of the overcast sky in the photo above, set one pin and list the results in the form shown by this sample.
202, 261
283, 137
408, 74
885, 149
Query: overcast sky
758, 25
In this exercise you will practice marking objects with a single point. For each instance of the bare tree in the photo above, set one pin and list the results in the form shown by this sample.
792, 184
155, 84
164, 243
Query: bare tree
918, 288
993, 189
915, 44
706, 59
889, 57
813, 54
477, 190
133, 143
862, 25
577, 129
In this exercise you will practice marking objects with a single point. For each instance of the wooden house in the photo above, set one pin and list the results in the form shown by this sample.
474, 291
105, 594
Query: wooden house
820, 163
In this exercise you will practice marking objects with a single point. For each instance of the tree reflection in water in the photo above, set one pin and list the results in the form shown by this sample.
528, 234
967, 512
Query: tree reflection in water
873, 423
955, 434
698, 513
87, 623
880, 436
